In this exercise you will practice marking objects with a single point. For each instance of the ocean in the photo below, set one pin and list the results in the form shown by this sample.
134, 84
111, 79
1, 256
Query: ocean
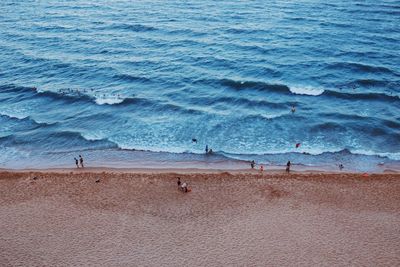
131, 83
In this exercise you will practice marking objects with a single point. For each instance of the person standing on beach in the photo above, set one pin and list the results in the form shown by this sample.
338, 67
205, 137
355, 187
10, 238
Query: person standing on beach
77, 162
184, 187
288, 164
81, 160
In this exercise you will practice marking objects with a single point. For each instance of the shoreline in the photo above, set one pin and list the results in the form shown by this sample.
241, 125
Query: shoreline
137, 159
268, 170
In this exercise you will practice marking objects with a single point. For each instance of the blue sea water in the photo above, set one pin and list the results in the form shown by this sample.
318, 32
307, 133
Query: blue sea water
95, 77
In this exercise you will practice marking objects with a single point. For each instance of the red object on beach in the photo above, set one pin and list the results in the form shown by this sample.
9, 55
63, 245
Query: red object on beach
297, 145
365, 174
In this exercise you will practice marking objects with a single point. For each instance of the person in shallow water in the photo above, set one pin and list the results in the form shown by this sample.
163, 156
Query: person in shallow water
81, 160
206, 149
76, 162
288, 164
252, 164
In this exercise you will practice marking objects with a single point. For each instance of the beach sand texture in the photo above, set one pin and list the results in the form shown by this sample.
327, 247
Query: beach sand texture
229, 219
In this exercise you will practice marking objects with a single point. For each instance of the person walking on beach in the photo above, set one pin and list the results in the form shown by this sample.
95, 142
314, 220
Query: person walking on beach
179, 181
288, 164
81, 160
77, 162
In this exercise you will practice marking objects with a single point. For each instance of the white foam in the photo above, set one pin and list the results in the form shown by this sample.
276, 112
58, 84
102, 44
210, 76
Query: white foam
306, 90
109, 101
392, 156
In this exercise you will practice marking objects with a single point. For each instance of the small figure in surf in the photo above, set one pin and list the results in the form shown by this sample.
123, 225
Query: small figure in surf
194, 140
288, 164
77, 162
252, 164
81, 160
341, 166
206, 149
293, 109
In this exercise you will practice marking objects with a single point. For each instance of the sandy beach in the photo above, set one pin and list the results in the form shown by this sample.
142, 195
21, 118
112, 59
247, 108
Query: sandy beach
66, 218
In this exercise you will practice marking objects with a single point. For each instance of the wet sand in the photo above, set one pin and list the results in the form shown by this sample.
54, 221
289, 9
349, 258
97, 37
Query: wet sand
140, 218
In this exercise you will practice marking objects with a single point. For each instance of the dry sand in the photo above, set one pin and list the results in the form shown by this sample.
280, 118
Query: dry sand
229, 219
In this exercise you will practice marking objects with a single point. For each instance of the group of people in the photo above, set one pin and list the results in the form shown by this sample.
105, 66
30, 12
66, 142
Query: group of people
253, 164
79, 162
182, 186
288, 165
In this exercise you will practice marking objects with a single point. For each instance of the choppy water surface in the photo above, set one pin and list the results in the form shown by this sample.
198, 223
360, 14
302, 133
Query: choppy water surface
98, 76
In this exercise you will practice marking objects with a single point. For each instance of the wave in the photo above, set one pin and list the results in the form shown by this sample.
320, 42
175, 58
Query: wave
359, 67
55, 141
327, 154
239, 101
244, 31
376, 83
27, 119
56, 28
259, 86
306, 90
131, 78
269, 87
76, 97
65, 95
362, 96
109, 101
128, 27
